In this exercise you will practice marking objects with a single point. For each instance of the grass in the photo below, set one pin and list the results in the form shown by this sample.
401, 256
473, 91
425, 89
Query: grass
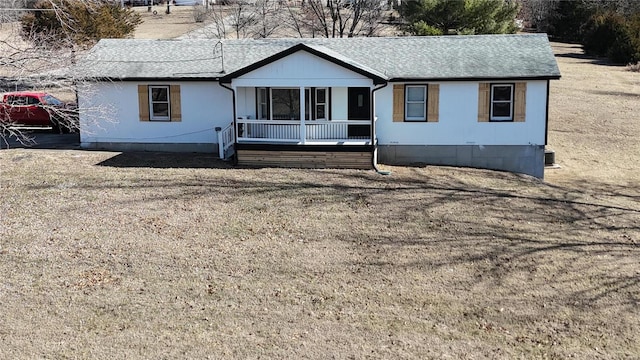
181, 20
593, 122
156, 255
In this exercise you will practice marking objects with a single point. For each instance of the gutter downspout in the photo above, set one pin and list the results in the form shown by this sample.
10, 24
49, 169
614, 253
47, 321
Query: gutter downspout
374, 153
546, 115
235, 125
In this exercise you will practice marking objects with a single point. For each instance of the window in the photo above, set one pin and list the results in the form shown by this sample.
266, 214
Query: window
51, 100
501, 102
416, 103
32, 100
262, 103
413, 103
284, 103
159, 103
17, 100
321, 104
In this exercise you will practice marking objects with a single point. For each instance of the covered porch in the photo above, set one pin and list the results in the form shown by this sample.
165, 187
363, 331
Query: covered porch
304, 115
315, 126
304, 107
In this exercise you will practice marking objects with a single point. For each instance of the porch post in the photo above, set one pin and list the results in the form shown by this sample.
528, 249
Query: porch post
303, 130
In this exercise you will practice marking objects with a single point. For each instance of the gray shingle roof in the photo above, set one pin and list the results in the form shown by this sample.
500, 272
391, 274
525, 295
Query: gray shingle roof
429, 58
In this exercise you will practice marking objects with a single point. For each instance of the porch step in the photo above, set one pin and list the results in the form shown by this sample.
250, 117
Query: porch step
228, 154
306, 159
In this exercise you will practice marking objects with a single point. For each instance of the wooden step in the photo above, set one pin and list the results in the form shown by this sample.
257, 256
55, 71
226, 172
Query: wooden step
305, 159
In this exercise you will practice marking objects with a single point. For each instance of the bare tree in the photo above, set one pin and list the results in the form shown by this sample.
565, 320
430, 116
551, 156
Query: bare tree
367, 17
25, 66
293, 20
320, 18
267, 16
242, 18
28, 62
537, 13
219, 16
308, 18
220, 22
340, 18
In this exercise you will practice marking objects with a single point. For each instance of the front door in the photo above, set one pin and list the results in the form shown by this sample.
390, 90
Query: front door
359, 109
359, 103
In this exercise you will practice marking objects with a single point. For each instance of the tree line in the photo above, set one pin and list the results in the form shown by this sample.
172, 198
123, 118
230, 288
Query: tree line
89, 20
606, 28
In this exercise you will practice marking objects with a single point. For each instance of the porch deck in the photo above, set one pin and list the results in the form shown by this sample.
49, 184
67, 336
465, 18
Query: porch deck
306, 156
308, 144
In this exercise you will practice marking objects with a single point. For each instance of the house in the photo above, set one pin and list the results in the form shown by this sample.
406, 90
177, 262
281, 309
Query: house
477, 101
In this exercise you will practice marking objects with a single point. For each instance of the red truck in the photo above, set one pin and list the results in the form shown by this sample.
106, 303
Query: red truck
29, 108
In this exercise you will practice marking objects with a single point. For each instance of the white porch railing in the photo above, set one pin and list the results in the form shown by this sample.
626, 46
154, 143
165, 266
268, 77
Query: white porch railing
295, 131
226, 138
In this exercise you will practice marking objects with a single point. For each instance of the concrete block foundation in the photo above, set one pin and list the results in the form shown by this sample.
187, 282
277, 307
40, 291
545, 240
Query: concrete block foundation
524, 159
162, 147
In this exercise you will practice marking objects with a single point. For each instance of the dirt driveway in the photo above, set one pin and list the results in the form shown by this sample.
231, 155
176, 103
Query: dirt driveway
44, 139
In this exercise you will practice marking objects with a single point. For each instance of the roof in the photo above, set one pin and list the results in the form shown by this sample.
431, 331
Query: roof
522, 56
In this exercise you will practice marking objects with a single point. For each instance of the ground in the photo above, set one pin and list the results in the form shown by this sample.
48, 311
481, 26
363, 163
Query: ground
594, 122
148, 255
161, 25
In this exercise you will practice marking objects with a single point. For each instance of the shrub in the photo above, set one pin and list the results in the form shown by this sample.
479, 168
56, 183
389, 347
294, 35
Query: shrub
421, 28
567, 19
602, 29
612, 35
199, 13
82, 22
437, 17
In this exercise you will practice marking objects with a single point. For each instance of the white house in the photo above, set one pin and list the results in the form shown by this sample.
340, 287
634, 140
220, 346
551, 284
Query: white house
478, 101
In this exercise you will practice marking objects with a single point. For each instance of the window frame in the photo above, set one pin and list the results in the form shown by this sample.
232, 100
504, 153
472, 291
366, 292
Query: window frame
266, 102
316, 104
272, 107
424, 103
511, 103
311, 104
152, 116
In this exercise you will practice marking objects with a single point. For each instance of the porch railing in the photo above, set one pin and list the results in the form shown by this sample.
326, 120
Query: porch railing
294, 131
226, 138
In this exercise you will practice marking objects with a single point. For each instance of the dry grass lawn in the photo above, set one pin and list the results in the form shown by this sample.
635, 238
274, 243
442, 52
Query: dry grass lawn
109, 255
130, 255
165, 26
594, 122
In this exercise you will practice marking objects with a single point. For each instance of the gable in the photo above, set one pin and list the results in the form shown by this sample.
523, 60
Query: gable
299, 69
